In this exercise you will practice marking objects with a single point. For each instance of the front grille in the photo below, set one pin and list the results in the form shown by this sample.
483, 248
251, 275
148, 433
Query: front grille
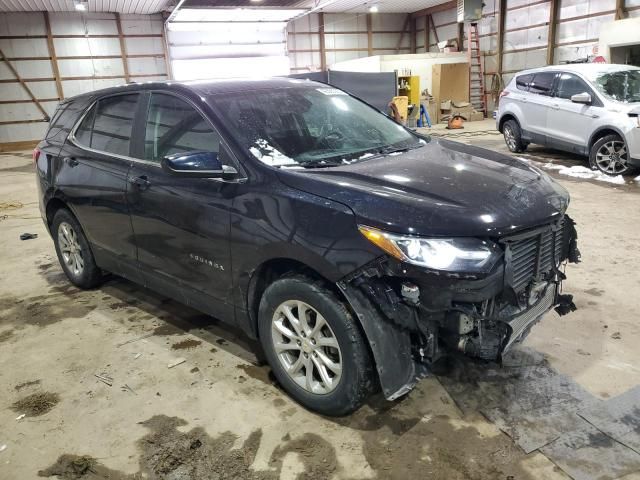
532, 256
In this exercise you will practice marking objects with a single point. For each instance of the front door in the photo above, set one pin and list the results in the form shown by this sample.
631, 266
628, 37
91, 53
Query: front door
569, 122
181, 225
93, 176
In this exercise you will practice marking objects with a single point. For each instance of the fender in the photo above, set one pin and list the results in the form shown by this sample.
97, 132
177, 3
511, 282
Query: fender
599, 130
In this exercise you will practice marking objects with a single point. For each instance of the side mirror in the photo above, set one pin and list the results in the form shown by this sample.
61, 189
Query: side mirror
583, 97
198, 164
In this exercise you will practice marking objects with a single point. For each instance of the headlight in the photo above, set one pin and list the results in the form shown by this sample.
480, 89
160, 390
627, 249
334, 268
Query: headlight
449, 254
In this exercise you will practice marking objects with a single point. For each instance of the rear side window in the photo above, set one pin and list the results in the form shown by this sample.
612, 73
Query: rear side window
542, 83
107, 126
523, 81
569, 85
174, 126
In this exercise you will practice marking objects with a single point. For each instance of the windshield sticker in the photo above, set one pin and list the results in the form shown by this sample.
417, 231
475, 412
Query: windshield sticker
330, 91
269, 155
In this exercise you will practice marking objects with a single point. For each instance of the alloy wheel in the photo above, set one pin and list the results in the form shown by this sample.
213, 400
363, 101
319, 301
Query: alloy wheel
70, 249
509, 138
611, 157
306, 347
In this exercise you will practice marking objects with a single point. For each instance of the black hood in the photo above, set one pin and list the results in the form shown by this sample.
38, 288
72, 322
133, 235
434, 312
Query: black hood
441, 189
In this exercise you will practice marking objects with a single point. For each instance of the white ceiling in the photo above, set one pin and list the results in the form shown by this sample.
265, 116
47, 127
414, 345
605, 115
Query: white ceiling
121, 6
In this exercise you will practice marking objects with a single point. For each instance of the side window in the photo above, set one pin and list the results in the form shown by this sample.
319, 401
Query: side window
542, 83
107, 127
174, 126
523, 81
569, 85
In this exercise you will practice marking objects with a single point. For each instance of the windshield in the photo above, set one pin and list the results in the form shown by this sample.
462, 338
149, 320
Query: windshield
623, 86
311, 127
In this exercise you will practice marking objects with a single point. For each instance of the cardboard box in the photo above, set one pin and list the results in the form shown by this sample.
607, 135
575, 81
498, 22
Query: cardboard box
476, 116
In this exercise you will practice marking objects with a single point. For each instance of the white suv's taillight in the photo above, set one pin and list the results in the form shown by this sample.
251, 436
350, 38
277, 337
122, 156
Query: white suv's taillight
35, 155
504, 93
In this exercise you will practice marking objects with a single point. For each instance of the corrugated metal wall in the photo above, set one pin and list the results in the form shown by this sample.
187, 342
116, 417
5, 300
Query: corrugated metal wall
65, 54
346, 36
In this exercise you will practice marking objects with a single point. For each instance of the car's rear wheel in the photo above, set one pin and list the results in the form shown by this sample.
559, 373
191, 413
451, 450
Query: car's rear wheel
609, 155
73, 251
513, 136
314, 346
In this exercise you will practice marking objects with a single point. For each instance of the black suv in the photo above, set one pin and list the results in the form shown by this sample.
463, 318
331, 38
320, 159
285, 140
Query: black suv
355, 250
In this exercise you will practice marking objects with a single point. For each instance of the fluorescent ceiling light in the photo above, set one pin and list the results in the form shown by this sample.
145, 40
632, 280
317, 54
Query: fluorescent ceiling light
373, 8
80, 6
237, 14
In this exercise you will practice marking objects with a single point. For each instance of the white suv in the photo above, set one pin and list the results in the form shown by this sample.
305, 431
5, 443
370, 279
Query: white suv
590, 109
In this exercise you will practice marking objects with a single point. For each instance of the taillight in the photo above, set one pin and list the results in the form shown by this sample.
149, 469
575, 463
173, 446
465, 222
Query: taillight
35, 155
504, 93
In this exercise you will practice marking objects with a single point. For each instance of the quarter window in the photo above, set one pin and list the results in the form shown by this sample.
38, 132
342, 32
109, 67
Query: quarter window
569, 85
107, 127
174, 126
542, 83
523, 81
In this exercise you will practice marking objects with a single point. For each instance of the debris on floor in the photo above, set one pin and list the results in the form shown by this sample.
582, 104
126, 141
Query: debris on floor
177, 362
106, 379
36, 404
186, 344
28, 236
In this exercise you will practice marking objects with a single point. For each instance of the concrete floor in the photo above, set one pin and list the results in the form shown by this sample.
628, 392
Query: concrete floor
219, 415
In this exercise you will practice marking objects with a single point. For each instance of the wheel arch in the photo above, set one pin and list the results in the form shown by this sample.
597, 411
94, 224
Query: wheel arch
603, 132
505, 118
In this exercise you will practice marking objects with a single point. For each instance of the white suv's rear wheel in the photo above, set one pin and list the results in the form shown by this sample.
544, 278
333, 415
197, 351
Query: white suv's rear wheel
609, 155
513, 136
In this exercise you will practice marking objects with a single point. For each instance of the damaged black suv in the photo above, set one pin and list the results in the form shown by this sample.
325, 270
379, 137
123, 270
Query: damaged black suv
355, 250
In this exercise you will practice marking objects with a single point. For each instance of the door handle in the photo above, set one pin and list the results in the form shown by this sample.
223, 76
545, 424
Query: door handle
71, 161
141, 182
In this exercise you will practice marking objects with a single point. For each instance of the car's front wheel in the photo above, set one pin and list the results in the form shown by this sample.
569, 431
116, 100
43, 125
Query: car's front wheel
73, 250
609, 155
513, 136
314, 346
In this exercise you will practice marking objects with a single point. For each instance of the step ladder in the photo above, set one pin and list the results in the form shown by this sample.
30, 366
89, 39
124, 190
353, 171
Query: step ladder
477, 94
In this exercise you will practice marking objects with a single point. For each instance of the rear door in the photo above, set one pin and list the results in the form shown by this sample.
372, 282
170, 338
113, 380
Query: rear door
93, 176
570, 124
181, 224
539, 102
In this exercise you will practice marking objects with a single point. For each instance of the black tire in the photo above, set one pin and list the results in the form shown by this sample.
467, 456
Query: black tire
513, 136
616, 163
356, 380
90, 275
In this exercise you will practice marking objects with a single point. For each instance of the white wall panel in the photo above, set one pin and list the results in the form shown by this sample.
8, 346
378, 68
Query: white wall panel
524, 60
22, 24
27, 69
14, 91
22, 132
141, 46
32, 47
74, 47
95, 67
575, 8
76, 23
585, 29
26, 111
141, 24
345, 41
77, 87
531, 37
